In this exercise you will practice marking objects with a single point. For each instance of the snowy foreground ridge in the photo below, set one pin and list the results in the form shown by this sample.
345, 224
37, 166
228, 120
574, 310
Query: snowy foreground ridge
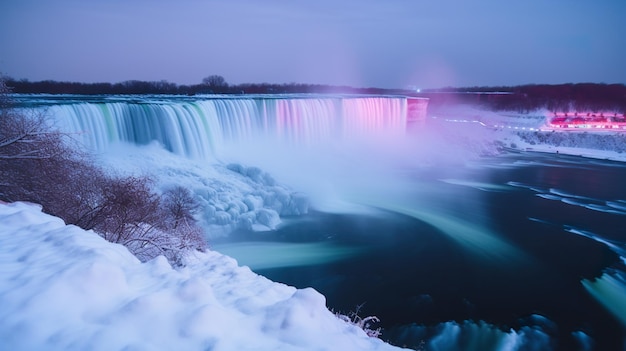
63, 288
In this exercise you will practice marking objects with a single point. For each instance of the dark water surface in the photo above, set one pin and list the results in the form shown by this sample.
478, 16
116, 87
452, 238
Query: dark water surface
490, 258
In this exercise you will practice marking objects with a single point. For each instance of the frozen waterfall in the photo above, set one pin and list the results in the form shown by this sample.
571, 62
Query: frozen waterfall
198, 127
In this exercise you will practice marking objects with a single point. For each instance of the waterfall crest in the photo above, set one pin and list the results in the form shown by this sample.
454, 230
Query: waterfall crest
198, 128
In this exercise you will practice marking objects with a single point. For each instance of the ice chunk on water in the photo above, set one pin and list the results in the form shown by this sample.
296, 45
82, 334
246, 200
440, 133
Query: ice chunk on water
268, 218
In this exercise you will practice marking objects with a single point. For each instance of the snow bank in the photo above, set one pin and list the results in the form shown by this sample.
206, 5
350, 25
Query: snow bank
62, 288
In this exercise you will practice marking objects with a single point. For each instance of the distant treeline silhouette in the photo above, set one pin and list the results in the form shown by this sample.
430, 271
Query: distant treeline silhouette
210, 85
589, 97
583, 97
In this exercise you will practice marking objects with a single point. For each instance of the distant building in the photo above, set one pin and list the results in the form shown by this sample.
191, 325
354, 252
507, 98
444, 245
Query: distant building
587, 120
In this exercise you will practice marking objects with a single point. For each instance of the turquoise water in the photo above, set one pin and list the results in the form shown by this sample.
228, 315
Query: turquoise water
506, 256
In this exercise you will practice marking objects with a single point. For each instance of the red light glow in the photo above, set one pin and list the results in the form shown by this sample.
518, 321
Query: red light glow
587, 120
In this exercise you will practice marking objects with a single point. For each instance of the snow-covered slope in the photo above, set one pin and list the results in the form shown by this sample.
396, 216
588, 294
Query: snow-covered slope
63, 288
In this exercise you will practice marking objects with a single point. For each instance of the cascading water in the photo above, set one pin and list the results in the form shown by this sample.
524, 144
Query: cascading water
198, 128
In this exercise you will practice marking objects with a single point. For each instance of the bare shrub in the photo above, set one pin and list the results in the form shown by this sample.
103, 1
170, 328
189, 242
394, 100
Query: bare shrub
133, 215
178, 210
29, 151
33, 158
4, 94
127, 203
84, 203
364, 323
179, 206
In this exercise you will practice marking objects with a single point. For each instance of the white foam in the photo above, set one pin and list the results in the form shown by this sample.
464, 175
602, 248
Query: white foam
550, 197
264, 255
610, 292
477, 185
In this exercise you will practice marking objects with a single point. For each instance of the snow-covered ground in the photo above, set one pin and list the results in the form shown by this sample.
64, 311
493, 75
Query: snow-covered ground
62, 288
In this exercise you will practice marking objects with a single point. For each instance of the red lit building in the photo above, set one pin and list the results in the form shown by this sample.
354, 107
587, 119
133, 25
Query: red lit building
587, 120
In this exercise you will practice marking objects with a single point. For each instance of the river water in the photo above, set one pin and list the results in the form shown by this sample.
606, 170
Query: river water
507, 253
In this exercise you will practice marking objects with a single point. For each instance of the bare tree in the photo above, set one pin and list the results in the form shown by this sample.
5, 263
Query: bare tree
214, 81
26, 135
134, 216
179, 206
4, 94
30, 153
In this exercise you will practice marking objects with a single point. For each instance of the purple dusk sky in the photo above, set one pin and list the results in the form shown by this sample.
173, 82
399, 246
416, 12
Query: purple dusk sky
362, 43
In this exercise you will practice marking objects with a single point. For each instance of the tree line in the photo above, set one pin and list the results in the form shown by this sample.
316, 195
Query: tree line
583, 97
213, 84
590, 97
